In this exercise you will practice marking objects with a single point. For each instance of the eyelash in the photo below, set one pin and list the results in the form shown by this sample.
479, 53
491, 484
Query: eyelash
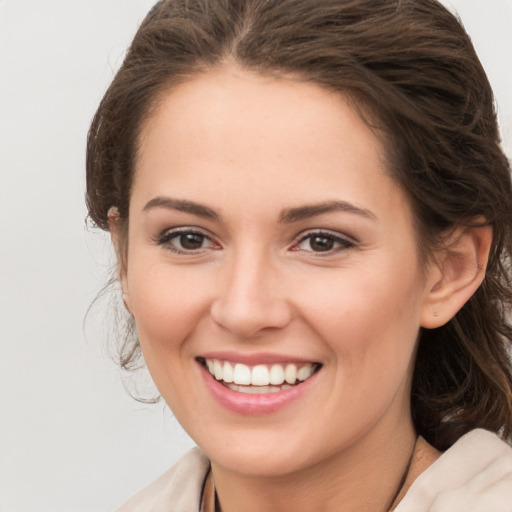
166, 238
344, 242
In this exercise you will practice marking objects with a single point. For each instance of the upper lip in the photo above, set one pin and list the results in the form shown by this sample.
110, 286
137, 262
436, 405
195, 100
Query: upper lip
255, 359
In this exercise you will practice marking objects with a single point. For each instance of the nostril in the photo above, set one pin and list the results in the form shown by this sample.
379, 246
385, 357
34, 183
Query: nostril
248, 318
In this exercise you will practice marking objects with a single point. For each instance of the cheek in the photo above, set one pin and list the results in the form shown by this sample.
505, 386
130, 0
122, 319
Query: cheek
167, 304
369, 320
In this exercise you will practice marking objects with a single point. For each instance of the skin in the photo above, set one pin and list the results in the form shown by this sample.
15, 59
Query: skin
249, 148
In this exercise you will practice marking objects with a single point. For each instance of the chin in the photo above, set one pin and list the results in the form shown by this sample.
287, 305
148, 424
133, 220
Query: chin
258, 462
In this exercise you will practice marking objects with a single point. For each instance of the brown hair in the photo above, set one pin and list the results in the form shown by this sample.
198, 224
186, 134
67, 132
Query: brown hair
411, 65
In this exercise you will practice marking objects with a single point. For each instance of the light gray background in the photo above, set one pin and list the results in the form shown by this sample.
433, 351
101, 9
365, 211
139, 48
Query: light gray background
71, 439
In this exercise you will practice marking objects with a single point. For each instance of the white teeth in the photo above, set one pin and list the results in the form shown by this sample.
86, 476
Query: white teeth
256, 390
242, 374
228, 373
305, 372
260, 378
290, 373
276, 375
217, 369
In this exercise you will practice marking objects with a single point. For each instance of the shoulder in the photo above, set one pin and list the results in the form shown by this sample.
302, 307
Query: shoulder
177, 490
476, 469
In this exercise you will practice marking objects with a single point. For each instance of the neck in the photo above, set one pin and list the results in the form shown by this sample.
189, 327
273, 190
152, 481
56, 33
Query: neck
366, 476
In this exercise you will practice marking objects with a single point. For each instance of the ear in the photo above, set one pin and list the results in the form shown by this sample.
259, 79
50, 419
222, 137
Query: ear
120, 250
458, 271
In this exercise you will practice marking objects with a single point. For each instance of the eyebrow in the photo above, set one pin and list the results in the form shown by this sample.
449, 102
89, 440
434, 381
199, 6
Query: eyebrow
182, 205
290, 215
287, 216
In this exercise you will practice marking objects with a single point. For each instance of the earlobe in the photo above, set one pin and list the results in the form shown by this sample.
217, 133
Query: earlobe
458, 272
114, 227
113, 224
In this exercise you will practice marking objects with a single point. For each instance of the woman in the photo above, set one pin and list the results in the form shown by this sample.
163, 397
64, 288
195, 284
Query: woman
312, 218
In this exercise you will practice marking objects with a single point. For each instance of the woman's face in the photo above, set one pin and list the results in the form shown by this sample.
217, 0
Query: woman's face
268, 242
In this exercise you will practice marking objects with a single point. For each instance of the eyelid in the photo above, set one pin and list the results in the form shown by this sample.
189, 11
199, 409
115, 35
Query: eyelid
165, 236
345, 241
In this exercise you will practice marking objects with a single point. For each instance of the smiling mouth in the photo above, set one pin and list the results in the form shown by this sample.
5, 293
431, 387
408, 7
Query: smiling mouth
260, 378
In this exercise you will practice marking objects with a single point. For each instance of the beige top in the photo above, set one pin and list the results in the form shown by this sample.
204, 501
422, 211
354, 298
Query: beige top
466, 474
423, 456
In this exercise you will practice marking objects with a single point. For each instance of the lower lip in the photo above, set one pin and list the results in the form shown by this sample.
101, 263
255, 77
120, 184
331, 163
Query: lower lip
254, 404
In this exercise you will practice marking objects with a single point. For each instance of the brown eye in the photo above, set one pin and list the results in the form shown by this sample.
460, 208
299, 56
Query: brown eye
321, 242
183, 241
191, 241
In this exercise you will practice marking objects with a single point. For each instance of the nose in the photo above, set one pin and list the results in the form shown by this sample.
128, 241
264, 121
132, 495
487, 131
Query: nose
251, 299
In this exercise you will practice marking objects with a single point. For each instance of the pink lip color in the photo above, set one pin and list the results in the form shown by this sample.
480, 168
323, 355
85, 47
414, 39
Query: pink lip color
249, 404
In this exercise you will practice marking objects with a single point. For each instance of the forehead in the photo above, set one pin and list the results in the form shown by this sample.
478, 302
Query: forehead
236, 133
